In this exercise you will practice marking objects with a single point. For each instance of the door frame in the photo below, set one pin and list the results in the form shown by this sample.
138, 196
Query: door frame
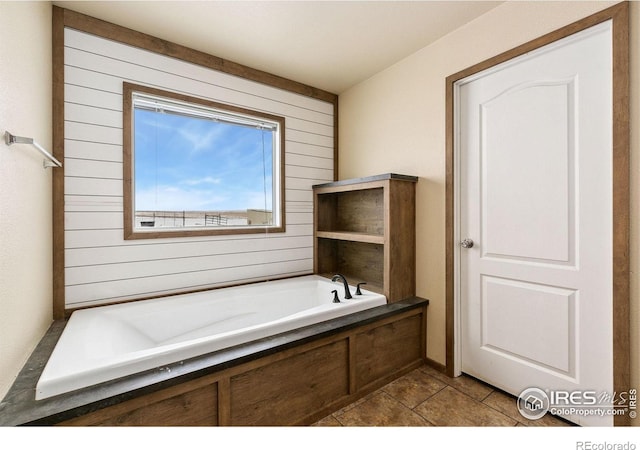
619, 15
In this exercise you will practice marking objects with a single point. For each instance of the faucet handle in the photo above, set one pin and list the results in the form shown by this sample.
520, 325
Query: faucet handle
358, 292
335, 296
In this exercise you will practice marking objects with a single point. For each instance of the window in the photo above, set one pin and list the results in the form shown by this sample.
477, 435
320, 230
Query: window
195, 167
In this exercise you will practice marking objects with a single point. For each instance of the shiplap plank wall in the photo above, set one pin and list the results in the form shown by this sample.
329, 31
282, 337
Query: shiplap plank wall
100, 266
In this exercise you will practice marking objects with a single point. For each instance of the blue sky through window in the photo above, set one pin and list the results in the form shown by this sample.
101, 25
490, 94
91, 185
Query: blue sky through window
191, 164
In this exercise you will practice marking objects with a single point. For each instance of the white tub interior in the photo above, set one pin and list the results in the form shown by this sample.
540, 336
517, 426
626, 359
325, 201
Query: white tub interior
108, 342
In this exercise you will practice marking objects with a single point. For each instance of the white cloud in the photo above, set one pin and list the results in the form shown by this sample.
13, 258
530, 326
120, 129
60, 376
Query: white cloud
198, 139
205, 180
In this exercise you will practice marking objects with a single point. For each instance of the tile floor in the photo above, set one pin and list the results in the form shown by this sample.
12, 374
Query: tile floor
426, 397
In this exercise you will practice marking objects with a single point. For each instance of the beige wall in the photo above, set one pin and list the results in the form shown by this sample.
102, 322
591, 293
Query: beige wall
395, 122
25, 186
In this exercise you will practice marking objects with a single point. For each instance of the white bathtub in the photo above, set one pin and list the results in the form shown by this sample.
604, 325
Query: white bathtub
108, 342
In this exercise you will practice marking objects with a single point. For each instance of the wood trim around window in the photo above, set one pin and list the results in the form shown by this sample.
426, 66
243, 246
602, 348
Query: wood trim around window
619, 15
64, 18
128, 89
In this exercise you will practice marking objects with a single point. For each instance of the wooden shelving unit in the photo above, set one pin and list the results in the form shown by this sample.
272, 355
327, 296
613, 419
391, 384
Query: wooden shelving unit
365, 229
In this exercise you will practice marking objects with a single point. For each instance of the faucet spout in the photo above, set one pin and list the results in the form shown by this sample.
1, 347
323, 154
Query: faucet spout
347, 293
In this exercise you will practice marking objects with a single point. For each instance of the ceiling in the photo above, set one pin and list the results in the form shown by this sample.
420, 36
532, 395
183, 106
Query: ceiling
331, 45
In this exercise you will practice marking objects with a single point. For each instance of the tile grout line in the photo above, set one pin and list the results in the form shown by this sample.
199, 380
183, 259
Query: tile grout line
442, 379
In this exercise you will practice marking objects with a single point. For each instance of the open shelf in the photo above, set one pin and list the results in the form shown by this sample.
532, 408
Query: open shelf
351, 236
365, 229
359, 260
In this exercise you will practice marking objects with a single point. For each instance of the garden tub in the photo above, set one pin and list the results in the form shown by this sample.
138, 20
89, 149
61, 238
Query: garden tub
108, 342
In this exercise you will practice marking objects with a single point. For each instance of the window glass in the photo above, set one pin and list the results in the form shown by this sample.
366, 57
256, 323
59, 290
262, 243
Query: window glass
197, 167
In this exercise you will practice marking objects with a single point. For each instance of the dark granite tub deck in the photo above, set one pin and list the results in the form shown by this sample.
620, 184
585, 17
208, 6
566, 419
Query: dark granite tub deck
19, 406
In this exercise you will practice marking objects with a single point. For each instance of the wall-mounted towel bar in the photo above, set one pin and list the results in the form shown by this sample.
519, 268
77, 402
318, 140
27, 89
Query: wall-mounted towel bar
51, 161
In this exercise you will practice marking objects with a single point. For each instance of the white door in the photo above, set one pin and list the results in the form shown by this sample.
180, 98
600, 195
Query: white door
534, 155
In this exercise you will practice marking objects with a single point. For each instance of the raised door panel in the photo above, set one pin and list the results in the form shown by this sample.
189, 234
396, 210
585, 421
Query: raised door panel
544, 319
528, 176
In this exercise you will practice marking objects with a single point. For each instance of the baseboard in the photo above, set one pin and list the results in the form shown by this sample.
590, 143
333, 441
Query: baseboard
436, 365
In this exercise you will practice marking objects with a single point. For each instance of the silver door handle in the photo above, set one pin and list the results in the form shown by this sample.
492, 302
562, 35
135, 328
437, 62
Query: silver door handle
466, 243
